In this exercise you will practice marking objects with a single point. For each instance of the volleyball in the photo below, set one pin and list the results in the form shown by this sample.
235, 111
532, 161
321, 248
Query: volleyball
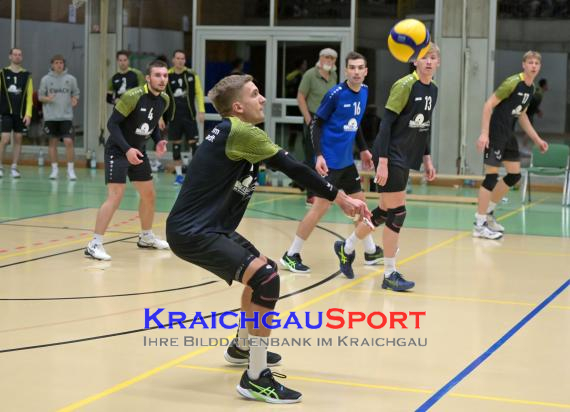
408, 40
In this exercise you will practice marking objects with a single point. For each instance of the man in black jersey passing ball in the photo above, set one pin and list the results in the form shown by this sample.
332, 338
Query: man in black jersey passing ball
135, 118
201, 226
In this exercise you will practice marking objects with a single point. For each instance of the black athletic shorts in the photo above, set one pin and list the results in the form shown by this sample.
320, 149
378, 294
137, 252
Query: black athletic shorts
226, 256
117, 168
499, 151
182, 129
13, 122
346, 179
397, 180
58, 128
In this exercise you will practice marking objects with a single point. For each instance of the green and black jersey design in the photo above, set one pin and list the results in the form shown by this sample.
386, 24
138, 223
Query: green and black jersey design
16, 90
515, 97
121, 82
184, 88
141, 110
222, 178
413, 102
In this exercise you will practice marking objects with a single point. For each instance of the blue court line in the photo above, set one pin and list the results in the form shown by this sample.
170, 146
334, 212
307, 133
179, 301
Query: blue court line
440, 393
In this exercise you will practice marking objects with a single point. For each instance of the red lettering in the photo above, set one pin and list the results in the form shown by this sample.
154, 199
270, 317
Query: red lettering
417, 315
398, 317
355, 317
372, 325
339, 319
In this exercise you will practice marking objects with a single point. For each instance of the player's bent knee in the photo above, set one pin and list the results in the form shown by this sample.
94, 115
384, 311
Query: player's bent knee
490, 181
266, 285
395, 219
176, 151
512, 179
379, 216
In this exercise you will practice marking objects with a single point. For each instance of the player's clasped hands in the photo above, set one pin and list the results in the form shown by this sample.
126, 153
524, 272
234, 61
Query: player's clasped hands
134, 156
352, 207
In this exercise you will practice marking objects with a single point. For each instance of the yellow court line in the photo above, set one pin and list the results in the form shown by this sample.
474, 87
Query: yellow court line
120, 386
138, 378
522, 208
389, 388
455, 298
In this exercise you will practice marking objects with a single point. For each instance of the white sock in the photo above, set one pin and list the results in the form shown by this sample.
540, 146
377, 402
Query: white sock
14, 165
480, 219
146, 233
257, 359
369, 245
389, 266
97, 239
491, 208
242, 342
70, 166
349, 243
178, 170
296, 246
54, 166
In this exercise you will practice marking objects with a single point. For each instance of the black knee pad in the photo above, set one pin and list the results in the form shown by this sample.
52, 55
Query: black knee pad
272, 263
490, 181
379, 216
265, 284
511, 179
176, 151
395, 218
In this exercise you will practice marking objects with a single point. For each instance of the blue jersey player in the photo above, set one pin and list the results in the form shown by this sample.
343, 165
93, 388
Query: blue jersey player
334, 129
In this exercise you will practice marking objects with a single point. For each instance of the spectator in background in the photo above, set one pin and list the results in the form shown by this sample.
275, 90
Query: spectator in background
316, 82
59, 94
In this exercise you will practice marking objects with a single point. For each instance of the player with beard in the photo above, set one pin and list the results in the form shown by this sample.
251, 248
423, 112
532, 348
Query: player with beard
134, 120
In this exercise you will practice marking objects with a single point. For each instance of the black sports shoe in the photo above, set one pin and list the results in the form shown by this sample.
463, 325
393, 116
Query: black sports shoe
239, 356
294, 263
267, 389
344, 259
376, 258
397, 283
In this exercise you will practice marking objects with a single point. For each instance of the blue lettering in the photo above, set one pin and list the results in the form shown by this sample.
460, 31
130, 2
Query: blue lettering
274, 324
244, 319
176, 317
152, 317
198, 319
223, 323
308, 320
292, 319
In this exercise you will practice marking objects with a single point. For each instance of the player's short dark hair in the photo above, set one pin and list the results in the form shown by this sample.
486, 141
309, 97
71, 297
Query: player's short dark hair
122, 53
178, 51
542, 82
14, 48
155, 63
225, 92
354, 56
